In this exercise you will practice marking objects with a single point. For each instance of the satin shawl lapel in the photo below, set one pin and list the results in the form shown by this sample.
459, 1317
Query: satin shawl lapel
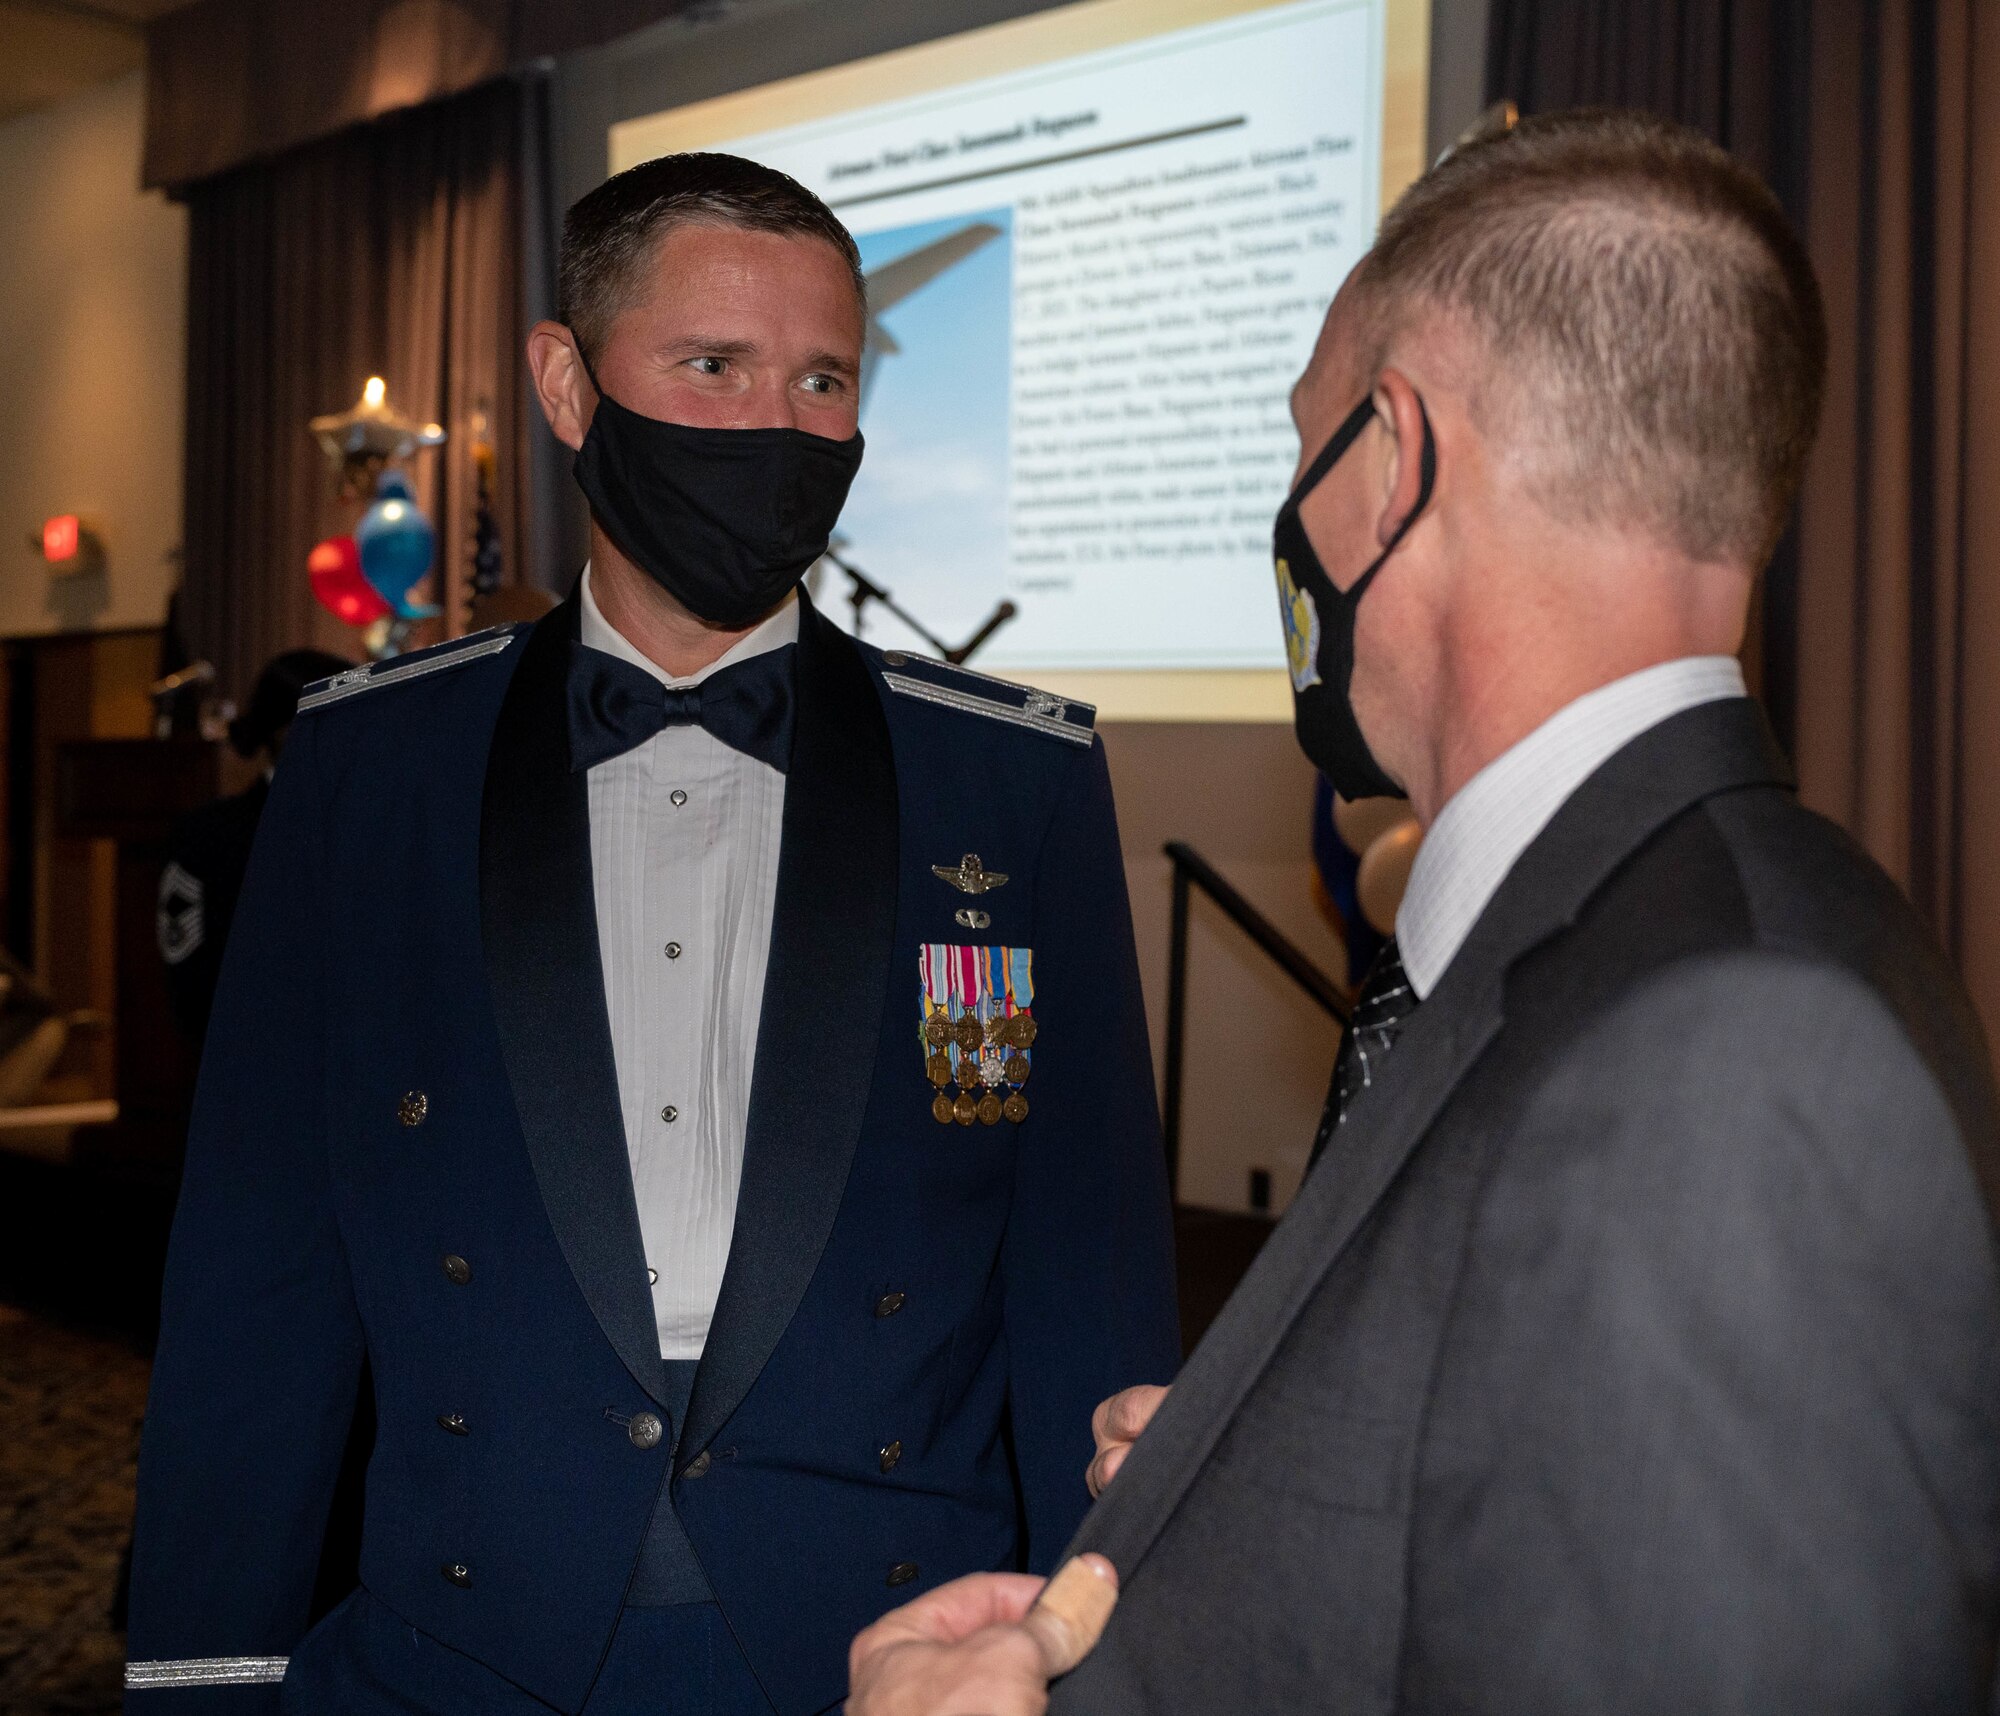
832, 936
538, 917
1687, 758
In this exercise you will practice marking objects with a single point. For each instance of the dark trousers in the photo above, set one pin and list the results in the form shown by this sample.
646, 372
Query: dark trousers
363, 1660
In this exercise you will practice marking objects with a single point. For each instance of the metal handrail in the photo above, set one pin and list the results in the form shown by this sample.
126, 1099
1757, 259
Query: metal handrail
1191, 870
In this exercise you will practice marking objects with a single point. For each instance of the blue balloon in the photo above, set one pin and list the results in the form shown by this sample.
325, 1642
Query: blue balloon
397, 545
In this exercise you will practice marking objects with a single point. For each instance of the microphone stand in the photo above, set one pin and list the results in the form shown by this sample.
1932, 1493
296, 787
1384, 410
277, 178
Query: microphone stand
866, 590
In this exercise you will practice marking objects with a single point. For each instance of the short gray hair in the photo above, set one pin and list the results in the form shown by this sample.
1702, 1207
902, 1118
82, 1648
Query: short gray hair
1658, 340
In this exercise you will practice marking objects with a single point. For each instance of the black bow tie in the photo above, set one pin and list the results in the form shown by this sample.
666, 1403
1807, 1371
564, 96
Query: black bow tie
614, 706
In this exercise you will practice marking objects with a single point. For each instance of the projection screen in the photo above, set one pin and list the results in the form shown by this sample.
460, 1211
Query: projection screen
1099, 241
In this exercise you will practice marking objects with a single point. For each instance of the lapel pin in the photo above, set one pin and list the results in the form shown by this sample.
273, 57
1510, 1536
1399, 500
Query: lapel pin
969, 876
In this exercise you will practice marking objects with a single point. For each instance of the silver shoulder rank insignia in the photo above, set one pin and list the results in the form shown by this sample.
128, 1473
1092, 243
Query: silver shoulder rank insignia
368, 677
950, 687
969, 876
205, 1671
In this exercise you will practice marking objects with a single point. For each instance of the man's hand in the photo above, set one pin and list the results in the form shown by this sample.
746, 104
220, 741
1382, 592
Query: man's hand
985, 1645
1116, 1424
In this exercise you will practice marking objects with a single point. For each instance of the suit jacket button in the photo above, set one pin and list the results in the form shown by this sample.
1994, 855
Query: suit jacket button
453, 1422
646, 1430
902, 1573
890, 1303
698, 1466
890, 1455
457, 1269
458, 1573
412, 1109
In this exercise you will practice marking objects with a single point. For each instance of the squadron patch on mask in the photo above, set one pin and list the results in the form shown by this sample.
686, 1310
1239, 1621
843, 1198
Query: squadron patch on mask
375, 674
950, 687
1301, 618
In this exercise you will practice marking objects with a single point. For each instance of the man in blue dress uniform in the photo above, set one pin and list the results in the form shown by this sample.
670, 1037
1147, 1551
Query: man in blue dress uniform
695, 1061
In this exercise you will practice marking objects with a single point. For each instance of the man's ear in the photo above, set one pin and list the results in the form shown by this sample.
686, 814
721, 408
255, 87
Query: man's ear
1402, 414
567, 399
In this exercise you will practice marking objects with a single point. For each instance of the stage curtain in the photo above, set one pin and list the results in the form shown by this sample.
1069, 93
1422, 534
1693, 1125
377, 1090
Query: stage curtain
1899, 612
393, 249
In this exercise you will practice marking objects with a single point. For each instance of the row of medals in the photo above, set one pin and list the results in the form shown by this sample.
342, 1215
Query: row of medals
978, 1072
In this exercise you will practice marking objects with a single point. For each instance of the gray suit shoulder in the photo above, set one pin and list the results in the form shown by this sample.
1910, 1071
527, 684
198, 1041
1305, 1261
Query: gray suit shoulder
1811, 889
1813, 893
1759, 1076
1724, 1368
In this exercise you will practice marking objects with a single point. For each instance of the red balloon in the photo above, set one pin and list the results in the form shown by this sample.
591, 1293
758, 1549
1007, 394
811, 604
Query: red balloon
335, 569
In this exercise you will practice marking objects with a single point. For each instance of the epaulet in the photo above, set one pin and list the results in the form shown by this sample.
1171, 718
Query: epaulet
960, 688
457, 653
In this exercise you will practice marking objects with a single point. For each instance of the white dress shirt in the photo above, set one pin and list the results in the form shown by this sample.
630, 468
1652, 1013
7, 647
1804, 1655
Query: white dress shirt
1491, 820
684, 835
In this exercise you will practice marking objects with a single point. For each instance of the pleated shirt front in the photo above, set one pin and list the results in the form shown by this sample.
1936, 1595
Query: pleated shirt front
684, 839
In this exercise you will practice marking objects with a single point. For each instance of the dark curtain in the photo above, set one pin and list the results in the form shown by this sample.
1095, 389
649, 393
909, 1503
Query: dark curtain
233, 81
229, 81
1899, 630
1736, 70
394, 249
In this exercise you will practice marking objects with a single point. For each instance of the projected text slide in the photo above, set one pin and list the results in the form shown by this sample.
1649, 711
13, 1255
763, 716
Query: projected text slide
1092, 285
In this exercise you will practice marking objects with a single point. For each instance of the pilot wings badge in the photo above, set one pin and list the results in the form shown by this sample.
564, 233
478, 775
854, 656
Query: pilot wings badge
969, 876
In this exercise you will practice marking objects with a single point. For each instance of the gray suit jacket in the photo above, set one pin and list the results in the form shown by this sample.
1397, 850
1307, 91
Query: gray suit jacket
1636, 1348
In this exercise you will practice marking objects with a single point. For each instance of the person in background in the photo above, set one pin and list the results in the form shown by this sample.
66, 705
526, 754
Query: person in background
208, 850
1634, 1343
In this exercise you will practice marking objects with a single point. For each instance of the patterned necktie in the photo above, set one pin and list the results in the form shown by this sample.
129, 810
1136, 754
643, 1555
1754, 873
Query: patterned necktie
1386, 1001
615, 706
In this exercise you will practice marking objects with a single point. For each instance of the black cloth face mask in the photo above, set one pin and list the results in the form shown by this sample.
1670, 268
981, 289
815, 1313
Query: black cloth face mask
726, 521
1319, 623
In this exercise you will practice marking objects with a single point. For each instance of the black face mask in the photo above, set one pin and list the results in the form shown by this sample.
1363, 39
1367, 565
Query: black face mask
1319, 624
726, 521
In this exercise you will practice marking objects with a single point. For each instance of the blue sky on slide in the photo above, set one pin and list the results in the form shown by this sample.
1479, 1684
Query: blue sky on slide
928, 513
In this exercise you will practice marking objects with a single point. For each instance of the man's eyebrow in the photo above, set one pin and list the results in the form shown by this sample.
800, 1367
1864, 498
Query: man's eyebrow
703, 345
698, 345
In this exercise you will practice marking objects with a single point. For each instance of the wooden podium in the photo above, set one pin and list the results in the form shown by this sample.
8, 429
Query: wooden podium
131, 791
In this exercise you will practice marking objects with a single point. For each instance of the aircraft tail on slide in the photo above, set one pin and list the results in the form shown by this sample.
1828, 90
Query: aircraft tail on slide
895, 280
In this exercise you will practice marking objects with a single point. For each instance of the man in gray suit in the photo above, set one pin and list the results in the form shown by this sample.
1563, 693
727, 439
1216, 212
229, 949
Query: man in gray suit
1634, 1343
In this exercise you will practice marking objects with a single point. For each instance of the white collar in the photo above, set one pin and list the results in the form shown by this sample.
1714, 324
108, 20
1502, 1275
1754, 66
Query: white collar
1490, 821
774, 631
